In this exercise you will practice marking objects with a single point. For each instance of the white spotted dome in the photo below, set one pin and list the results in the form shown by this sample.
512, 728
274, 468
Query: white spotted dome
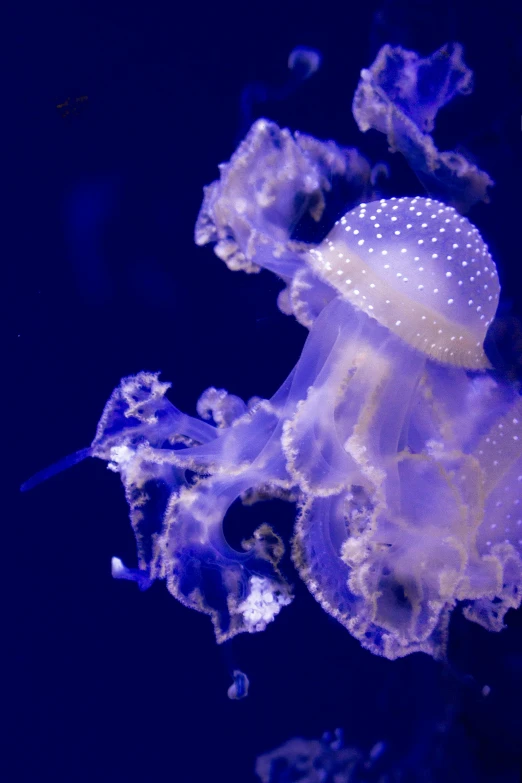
420, 269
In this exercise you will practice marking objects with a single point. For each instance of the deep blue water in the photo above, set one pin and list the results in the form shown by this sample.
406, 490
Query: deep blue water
102, 279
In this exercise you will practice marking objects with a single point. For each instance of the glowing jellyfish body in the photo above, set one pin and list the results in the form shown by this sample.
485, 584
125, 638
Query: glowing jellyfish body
403, 455
405, 469
420, 269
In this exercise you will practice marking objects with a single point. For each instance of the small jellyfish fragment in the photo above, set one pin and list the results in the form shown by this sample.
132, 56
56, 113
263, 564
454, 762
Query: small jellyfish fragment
380, 173
335, 740
58, 467
240, 685
120, 571
304, 62
376, 752
400, 95
311, 761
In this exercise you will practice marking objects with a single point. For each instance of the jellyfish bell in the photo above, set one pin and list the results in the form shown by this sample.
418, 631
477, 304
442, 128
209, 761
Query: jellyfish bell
421, 270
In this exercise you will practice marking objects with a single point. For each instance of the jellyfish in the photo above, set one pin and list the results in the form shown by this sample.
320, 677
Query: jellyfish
240, 685
400, 449
401, 452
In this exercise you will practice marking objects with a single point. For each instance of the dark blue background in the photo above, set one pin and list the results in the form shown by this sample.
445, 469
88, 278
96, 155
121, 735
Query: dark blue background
101, 280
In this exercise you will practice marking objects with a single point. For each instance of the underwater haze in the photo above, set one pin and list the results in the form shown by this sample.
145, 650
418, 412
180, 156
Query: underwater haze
263, 265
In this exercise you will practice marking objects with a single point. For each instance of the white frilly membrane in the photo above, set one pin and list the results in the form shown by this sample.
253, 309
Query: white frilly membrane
402, 452
399, 95
407, 475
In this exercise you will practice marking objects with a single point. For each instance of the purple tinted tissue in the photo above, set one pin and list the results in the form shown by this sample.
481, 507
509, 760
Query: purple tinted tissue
401, 451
